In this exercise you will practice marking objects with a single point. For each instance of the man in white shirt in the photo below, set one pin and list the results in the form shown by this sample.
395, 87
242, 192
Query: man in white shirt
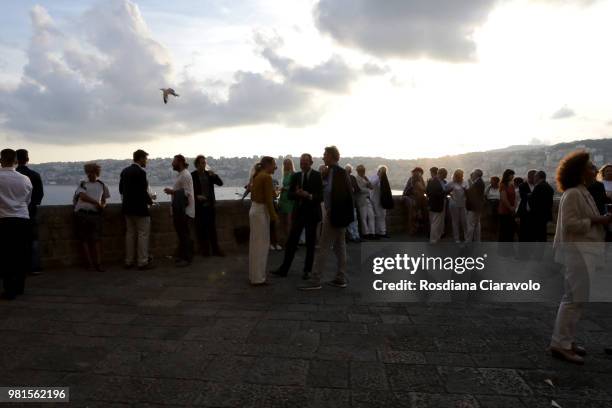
183, 210
15, 235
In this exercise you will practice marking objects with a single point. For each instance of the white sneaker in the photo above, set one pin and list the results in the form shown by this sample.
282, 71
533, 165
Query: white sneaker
279, 248
272, 248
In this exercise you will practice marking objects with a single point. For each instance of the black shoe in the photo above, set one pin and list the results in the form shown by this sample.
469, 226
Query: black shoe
128, 266
6, 296
608, 351
338, 283
35, 273
181, 263
146, 267
310, 286
306, 275
375, 237
279, 272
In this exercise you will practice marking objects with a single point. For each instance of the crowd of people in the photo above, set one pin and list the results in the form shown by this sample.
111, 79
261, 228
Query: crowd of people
325, 209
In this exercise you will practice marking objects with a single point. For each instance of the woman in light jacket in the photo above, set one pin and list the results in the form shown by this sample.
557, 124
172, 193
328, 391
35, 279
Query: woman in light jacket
364, 204
578, 246
262, 212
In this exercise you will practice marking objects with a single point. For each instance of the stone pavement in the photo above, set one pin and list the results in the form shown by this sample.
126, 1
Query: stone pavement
201, 336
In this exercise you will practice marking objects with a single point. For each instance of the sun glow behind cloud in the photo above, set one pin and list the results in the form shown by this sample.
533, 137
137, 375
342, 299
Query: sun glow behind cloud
532, 59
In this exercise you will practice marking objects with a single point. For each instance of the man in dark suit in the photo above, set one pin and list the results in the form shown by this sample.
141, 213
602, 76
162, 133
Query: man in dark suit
204, 182
135, 201
474, 204
436, 202
338, 214
306, 189
23, 159
526, 230
540, 203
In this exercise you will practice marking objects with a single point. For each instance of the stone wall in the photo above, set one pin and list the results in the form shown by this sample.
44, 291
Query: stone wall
59, 247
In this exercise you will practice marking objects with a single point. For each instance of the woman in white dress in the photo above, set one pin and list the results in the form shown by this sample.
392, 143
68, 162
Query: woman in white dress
364, 205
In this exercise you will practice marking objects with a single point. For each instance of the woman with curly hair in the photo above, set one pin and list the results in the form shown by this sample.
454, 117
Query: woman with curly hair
578, 246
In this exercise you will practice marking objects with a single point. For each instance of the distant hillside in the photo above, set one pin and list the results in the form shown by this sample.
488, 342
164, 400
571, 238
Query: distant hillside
235, 170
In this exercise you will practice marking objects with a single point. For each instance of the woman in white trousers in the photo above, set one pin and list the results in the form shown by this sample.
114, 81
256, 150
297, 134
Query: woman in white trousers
261, 213
579, 247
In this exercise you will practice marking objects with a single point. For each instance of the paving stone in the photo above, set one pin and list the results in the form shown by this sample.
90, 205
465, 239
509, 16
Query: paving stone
404, 377
328, 374
368, 375
188, 337
278, 371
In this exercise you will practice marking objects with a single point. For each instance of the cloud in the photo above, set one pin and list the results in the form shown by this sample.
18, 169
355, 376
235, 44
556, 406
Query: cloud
435, 29
563, 113
102, 85
332, 75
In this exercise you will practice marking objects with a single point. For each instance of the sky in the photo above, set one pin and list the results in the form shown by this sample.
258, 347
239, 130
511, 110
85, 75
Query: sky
396, 79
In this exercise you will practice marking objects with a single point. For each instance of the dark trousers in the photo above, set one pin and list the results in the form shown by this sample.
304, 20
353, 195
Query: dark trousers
15, 253
506, 227
540, 231
526, 229
206, 227
297, 225
183, 225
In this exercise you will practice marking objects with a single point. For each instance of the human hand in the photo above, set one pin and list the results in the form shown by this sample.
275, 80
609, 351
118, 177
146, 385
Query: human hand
168, 190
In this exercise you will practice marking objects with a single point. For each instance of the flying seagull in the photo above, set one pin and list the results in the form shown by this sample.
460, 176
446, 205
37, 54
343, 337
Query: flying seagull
166, 92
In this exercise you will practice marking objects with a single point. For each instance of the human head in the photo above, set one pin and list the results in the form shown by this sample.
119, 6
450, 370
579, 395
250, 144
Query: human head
22, 157
574, 169
507, 177
606, 172
179, 163
331, 156
306, 162
140, 157
92, 171
348, 168
200, 163
418, 171
382, 169
268, 164
531, 176
494, 182
476, 174
442, 173
458, 176
433, 172
8, 158
288, 166
540, 176
517, 181
361, 170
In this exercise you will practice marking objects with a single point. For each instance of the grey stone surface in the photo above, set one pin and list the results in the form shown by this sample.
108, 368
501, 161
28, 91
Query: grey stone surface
199, 337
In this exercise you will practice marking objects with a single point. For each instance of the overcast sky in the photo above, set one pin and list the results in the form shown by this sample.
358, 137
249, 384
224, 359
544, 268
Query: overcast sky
395, 78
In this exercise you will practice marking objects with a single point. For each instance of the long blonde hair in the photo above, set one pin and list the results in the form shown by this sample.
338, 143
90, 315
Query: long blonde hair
291, 169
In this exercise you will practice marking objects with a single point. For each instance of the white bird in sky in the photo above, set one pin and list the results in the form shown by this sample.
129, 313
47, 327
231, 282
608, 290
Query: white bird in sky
166, 92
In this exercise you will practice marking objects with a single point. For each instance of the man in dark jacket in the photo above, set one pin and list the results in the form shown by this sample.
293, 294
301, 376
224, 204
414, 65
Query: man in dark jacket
338, 214
474, 204
37, 195
436, 202
306, 189
540, 203
135, 201
204, 182
526, 231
